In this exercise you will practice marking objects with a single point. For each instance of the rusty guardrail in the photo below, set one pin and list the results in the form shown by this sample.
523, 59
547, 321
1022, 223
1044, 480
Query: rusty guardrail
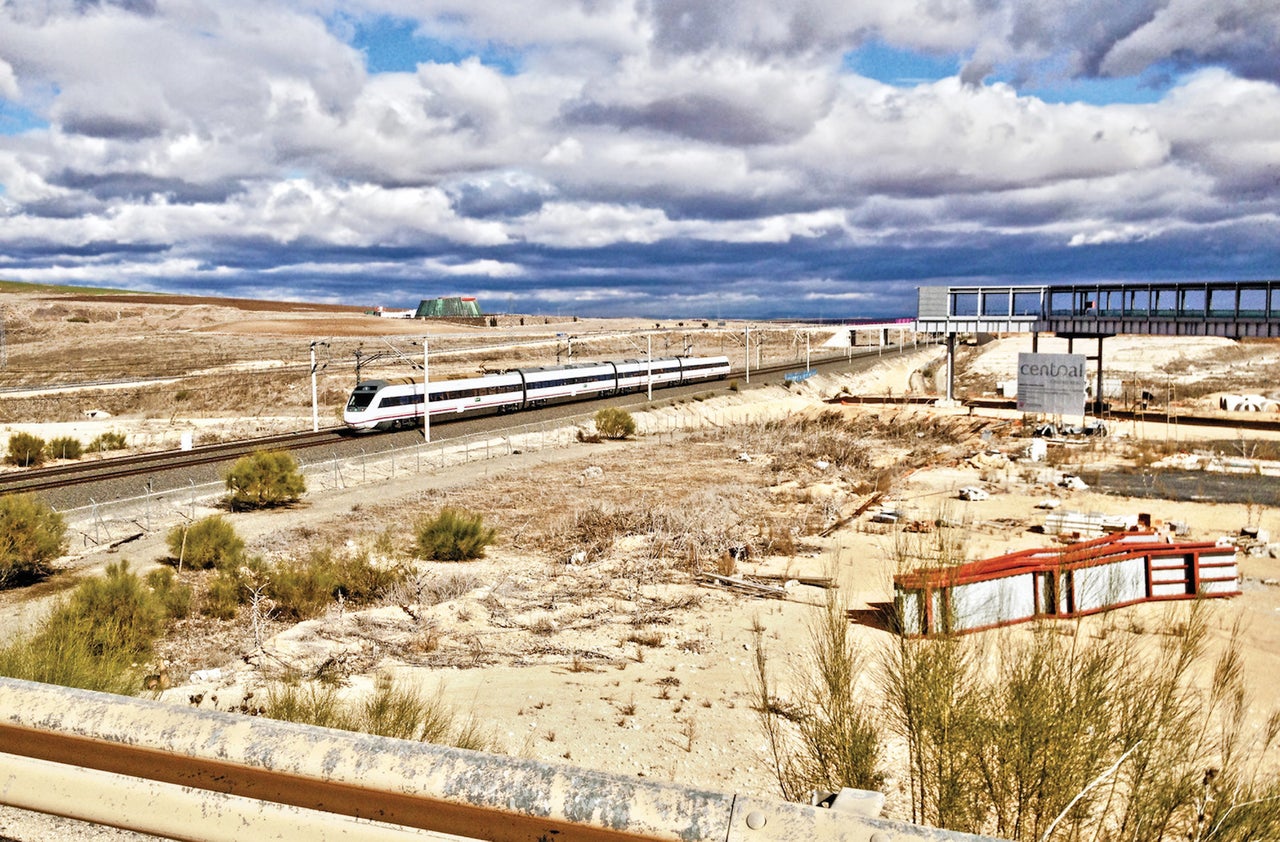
208, 775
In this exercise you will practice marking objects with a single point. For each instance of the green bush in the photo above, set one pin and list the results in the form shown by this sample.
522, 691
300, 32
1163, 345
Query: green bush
25, 450
96, 638
64, 447
390, 711
209, 542
1100, 734
107, 441
221, 599
304, 588
614, 423
61, 655
264, 479
118, 612
453, 535
32, 535
175, 597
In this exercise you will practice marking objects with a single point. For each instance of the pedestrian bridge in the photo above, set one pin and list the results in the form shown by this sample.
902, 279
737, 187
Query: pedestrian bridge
1233, 309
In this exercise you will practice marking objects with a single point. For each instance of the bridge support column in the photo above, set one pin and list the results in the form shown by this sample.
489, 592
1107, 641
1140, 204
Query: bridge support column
1097, 391
951, 367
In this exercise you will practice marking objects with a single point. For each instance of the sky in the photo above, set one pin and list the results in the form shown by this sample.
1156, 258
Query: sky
657, 158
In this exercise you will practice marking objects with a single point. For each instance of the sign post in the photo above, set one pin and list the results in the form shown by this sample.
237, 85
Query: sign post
1052, 384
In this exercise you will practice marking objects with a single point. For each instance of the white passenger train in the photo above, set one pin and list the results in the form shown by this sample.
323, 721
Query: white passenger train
397, 402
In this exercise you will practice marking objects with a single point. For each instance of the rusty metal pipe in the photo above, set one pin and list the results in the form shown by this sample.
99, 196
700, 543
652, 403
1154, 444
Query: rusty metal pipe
177, 812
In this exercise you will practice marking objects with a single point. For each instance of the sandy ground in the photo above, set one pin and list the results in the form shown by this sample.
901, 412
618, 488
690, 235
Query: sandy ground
626, 663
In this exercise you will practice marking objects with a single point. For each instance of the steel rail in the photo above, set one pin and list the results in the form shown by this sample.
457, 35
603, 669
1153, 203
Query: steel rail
119, 467
122, 467
398, 782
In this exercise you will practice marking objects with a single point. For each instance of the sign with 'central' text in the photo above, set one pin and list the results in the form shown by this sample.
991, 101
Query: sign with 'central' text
1053, 384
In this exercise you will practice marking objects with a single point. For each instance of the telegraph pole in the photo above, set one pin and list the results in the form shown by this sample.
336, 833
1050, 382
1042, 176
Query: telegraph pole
315, 406
650, 364
748, 346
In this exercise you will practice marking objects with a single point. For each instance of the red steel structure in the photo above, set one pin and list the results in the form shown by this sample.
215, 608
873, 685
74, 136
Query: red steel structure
1085, 578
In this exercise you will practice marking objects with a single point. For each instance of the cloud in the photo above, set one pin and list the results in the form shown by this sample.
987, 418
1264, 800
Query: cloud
638, 155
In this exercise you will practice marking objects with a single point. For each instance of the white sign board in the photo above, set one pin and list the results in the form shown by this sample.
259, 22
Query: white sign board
1052, 384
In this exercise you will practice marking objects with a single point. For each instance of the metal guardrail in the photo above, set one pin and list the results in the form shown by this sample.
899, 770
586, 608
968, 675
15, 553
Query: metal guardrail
198, 774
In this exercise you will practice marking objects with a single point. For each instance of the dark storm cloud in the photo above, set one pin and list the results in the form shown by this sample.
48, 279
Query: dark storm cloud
105, 186
137, 7
496, 198
695, 116
762, 29
111, 126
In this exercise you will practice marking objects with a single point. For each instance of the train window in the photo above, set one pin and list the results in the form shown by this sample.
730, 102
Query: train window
360, 400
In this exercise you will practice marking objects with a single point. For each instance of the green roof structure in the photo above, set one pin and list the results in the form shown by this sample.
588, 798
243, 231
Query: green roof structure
453, 307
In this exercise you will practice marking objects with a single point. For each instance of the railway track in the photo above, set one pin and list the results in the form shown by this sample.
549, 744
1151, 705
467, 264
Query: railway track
117, 468
122, 467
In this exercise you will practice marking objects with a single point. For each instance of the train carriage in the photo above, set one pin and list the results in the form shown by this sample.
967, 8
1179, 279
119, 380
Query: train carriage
397, 402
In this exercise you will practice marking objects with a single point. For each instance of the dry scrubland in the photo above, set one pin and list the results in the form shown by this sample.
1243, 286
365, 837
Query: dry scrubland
588, 634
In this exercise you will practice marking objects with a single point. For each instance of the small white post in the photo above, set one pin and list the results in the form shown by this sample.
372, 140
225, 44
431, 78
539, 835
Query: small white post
426, 396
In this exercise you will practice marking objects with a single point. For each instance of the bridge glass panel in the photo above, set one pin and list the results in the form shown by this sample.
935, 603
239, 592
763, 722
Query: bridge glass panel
1222, 303
964, 304
1111, 303
995, 303
1194, 302
1253, 302
1061, 302
1275, 302
1026, 303
1166, 303
1138, 303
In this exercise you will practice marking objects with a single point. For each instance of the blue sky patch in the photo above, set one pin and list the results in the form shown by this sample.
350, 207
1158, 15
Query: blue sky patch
1129, 89
14, 119
395, 45
902, 68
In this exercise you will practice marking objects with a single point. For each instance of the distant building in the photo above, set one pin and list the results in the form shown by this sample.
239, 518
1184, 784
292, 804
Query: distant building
455, 307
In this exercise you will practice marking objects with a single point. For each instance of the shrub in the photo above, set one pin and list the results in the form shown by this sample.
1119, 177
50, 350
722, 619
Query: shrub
614, 423
109, 440
209, 542
453, 535
116, 612
302, 588
64, 447
1052, 737
95, 639
834, 741
390, 711
221, 600
61, 655
264, 479
32, 535
175, 597
25, 450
